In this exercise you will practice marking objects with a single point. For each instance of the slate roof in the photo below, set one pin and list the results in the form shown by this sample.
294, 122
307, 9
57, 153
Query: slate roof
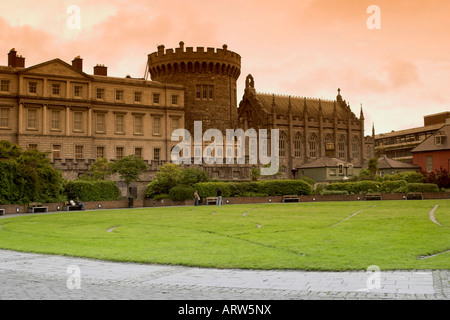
324, 162
429, 144
298, 105
388, 163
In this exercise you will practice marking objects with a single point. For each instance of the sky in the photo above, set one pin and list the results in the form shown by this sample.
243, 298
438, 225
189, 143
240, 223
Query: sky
390, 56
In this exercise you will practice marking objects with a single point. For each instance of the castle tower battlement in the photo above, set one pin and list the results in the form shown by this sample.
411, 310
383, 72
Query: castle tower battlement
209, 78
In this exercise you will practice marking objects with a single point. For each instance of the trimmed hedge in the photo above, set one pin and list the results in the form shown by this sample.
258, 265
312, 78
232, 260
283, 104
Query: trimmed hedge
422, 187
335, 192
92, 190
181, 193
355, 187
394, 186
242, 189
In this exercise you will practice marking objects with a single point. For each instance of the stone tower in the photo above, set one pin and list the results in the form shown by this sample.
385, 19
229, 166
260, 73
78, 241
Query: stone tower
209, 78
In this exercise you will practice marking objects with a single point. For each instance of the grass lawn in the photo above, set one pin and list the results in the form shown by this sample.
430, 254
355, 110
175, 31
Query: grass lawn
308, 236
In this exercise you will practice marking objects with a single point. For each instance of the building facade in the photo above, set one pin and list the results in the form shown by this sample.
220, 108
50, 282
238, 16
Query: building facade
77, 117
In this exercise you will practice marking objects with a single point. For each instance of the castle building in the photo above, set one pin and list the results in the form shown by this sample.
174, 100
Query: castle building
78, 117
310, 129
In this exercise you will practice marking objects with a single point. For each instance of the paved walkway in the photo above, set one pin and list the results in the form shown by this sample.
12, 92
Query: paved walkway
34, 276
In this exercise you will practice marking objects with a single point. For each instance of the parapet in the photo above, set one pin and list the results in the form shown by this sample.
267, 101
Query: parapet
183, 59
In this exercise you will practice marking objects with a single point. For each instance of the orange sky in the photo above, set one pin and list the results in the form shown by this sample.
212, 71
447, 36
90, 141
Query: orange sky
399, 73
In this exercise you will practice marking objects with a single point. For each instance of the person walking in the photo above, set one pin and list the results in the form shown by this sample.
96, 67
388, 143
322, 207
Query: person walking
196, 198
219, 197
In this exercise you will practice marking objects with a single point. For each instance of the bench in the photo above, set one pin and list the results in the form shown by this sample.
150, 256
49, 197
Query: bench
36, 207
291, 198
211, 200
69, 207
374, 196
414, 196
2, 212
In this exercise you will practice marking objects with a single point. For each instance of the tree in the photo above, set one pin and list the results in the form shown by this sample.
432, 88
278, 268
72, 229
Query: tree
129, 169
373, 167
166, 178
101, 169
191, 176
255, 174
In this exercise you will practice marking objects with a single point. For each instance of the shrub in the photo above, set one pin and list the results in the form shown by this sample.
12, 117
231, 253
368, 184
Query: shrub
391, 186
191, 176
284, 187
310, 181
209, 189
181, 193
92, 190
161, 196
333, 192
355, 187
408, 176
422, 187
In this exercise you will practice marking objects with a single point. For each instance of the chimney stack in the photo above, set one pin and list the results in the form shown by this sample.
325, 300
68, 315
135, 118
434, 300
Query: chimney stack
77, 63
12, 58
100, 70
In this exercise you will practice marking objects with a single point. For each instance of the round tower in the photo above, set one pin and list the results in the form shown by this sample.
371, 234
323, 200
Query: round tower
209, 78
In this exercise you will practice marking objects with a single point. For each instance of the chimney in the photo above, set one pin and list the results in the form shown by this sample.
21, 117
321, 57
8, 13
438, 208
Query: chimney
100, 70
20, 62
12, 58
77, 63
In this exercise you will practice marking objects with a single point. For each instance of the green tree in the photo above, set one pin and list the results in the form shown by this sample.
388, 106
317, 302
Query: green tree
373, 167
191, 176
255, 174
166, 178
101, 169
129, 169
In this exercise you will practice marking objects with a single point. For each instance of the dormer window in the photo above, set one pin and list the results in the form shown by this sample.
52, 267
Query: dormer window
439, 138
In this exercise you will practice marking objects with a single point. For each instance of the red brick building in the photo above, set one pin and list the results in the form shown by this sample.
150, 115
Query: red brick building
434, 153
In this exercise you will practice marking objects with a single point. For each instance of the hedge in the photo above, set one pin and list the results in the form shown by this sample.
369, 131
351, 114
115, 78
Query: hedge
355, 187
393, 186
242, 189
422, 187
92, 190
181, 193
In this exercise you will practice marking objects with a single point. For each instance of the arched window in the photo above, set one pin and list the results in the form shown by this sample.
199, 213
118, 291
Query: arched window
341, 147
298, 145
282, 145
312, 146
329, 142
355, 147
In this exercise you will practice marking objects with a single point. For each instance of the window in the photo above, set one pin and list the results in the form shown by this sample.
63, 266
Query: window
32, 87
32, 146
100, 122
333, 172
355, 148
119, 153
100, 93
119, 123
157, 125
138, 96
156, 154
4, 117
313, 146
175, 123
156, 97
78, 152
282, 144
56, 151
119, 95
341, 169
138, 152
174, 99
341, 147
429, 163
211, 92
137, 124
4, 85
78, 121
298, 145
329, 142
438, 140
204, 92
56, 89
100, 152
78, 91
55, 116
32, 118
236, 174
198, 91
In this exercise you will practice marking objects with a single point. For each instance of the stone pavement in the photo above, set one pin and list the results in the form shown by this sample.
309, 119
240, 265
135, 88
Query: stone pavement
25, 276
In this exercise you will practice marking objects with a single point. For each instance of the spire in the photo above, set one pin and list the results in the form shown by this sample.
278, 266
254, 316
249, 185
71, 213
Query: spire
320, 107
289, 106
361, 114
339, 97
373, 130
273, 104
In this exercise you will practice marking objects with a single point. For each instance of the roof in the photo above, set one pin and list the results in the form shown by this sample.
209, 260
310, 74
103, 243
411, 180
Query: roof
408, 131
430, 143
388, 163
298, 105
324, 162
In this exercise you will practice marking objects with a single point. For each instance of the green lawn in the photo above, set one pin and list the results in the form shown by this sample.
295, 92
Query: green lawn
308, 236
